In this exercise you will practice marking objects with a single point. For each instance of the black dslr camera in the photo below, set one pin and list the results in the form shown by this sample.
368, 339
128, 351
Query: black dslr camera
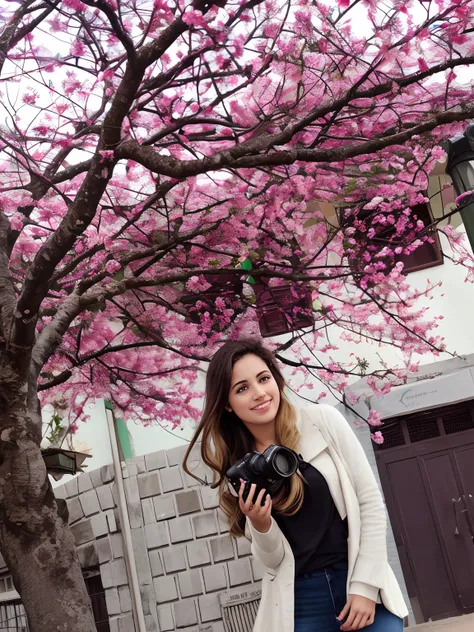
268, 470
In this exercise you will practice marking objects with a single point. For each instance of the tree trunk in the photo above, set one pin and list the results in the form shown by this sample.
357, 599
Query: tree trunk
35, 541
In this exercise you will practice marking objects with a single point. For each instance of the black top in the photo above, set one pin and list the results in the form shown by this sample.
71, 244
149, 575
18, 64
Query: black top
316, 533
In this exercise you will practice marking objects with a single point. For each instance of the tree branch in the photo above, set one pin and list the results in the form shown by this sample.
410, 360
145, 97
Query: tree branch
7, 290
68, 173
140, 345
12, 34
59, 379
263, 156
52, 335
117, 28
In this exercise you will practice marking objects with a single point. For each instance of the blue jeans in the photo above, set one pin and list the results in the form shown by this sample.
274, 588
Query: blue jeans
320, 597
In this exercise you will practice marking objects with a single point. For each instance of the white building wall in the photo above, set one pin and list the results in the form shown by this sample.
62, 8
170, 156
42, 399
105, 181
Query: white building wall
453, 300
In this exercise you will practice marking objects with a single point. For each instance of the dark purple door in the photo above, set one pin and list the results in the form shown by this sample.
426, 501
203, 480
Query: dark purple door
452, 517
429, 489
419, 542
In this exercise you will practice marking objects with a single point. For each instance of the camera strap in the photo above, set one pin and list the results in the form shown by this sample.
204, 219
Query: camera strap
299, 472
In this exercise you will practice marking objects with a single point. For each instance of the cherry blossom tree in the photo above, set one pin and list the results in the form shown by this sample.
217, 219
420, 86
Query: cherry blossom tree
167, 162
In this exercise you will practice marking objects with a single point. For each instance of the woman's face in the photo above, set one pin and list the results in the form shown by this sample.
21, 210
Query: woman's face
254, 395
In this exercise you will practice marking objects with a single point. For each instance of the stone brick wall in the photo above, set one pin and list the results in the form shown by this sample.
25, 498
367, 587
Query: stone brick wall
94, 520
186, 561
188, 565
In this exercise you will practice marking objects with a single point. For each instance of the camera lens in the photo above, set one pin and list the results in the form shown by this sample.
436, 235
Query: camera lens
285, 462
281, 464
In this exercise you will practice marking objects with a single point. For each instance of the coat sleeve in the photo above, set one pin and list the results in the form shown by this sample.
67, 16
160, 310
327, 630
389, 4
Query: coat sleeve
368, 574
267, 547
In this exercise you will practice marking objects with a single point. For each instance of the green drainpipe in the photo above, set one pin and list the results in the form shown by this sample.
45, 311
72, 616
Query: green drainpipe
122, 433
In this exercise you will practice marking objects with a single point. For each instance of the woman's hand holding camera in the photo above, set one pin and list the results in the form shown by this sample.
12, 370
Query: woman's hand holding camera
259, 514
358, 613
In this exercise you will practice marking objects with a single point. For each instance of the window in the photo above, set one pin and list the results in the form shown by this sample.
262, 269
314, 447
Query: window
6, 584
13, 617
283, 309
225, 286
96, 594
429, 253
427, 424
280, 309
12, 613
7, 589
426, 255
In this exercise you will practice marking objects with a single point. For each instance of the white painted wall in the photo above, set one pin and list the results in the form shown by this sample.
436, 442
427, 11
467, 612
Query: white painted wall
454, 300
92, 437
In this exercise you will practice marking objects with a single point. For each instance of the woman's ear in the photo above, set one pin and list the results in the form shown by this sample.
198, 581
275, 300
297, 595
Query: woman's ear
228, 408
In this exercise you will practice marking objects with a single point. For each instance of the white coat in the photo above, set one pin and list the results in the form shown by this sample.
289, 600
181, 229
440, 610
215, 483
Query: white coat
330, 445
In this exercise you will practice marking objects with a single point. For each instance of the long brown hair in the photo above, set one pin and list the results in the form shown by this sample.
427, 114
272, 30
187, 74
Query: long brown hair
225, 439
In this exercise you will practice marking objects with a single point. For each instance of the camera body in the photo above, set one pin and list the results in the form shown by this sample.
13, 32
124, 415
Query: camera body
268, 470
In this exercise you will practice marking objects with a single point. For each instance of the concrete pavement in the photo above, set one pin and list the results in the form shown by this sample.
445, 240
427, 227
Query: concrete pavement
458, 624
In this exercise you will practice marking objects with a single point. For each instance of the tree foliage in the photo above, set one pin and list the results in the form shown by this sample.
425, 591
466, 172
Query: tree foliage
149, 147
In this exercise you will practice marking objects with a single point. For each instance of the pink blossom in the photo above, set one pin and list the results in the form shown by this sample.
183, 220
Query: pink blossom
377, 437
16, 221
422, 65
271, 30
64, 143
77, 5
194, 18
42, 130
49, 67
112, 266
107, 155
29, 98
71, 84
374, 418
197, 284
78, 49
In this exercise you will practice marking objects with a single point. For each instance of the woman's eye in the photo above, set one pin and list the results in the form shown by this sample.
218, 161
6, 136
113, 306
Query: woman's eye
264, 378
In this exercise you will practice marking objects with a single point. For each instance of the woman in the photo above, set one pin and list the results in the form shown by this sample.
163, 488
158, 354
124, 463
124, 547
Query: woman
322, 541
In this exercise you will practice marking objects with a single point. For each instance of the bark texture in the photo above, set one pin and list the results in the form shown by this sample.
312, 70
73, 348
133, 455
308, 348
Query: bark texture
36, 543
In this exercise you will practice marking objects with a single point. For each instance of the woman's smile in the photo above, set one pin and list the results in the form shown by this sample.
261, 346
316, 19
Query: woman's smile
263, 407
